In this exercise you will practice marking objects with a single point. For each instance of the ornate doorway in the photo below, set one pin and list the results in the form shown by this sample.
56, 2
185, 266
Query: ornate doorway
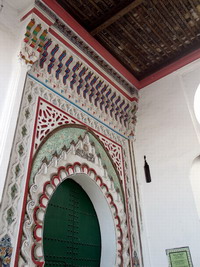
71, 229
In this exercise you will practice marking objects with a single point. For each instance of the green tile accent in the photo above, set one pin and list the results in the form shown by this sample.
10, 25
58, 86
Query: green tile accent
64, 137
24, 131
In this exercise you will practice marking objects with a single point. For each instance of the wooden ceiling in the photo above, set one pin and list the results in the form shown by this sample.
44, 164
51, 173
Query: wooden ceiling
144, 35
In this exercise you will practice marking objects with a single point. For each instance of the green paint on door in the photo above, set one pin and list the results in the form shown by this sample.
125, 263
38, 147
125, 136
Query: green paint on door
71, 229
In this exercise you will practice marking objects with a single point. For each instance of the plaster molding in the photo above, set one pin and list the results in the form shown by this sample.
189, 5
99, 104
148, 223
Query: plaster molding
81, 44
11, 208
57, 66
45, 183
32, 45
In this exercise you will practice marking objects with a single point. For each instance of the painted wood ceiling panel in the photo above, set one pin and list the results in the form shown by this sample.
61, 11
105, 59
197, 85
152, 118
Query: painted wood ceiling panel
144, 35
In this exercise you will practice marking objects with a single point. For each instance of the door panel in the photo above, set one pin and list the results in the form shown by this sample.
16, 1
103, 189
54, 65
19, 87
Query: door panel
71, 234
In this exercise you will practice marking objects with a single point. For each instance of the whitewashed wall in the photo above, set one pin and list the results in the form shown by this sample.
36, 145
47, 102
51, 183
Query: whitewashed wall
12, 77
168, 134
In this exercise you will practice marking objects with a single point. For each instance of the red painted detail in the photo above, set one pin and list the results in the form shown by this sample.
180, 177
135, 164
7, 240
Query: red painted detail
92, 170
110, 197
39, 14
70, 166
121, 234
77, 163
99, 179
41, 200
56, 177
116, 209
47, 183
60, 169
26, 188
120, 251
27, 14
80, 122
118, 219
90, 40
37, 238
104, 185
105, 54
127, 212
37, 263
35, 214
62, 40
85, 166
39, 226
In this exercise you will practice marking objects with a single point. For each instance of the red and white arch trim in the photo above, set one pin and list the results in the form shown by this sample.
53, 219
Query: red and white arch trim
46, 182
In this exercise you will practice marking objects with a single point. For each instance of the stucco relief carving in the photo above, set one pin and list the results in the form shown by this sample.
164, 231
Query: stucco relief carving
18, 168
62, 70
29, 55
45, 183
50, 117
17, 173
33, 43
85, 149
35, 39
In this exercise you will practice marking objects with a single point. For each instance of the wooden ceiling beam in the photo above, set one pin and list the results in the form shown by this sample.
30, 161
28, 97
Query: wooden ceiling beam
127, 59
116, 16
165, 21
113, 33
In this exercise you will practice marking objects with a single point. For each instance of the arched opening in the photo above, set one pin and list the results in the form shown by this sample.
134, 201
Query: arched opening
195, 182
106, 220
99, 181
197, 104
71, 235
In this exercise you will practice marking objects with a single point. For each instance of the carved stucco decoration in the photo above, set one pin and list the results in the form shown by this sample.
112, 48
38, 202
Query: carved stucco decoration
34, 40
45, 183
81, 44
17, 173
50, 117
65, 72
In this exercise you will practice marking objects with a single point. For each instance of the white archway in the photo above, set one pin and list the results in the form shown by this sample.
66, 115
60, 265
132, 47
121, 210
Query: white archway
95, 181
195, 182
106, 220
106, 202
197, 104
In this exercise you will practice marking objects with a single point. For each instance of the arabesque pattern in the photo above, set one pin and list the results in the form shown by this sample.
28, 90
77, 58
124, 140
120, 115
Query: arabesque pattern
45, 184
50, 117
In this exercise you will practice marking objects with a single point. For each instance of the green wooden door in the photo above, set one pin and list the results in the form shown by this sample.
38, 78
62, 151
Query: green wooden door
71, 234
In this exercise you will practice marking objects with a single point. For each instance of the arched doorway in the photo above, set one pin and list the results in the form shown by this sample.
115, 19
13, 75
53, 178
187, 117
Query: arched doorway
195, 182
98, 184
71, 234
197, 104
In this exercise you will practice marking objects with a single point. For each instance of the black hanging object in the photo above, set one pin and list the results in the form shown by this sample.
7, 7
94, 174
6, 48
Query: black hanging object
147, 171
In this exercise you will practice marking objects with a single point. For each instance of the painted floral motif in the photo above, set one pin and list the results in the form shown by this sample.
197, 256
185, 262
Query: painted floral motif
5, 251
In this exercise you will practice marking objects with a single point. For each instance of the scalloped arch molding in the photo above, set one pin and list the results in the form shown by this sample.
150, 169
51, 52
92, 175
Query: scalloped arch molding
78, 161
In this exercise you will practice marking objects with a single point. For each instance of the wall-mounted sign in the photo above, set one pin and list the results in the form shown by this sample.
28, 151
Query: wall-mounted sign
179, 257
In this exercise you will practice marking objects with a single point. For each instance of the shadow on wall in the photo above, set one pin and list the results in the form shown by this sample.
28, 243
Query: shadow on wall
195, 182
195, 169
197, 104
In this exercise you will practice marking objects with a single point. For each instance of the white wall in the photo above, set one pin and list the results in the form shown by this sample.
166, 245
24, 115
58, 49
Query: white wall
12, 75
168, 134
7, 49
195, 182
